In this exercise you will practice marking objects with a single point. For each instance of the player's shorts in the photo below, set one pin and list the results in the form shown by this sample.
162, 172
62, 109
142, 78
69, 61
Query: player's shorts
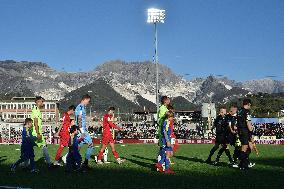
231, 139
168, 149
107, 139
244, 136
165, 148
64, 139
220, 139
87, 139
27, 152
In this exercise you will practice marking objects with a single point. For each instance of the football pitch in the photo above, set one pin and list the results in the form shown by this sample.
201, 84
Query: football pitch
138, 171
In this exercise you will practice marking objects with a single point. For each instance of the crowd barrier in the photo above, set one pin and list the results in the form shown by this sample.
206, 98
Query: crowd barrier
54, 140
11, 134
180, 141
269, 141
150, 141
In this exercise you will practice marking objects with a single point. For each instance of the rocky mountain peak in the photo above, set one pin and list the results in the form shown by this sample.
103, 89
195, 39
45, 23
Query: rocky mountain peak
132, 81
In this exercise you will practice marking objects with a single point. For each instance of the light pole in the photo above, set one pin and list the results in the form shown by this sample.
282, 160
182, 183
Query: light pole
91, 112
90, 108
156, 16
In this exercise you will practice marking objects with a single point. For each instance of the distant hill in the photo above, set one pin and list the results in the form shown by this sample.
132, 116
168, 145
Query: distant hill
263, 104
181, 103
132, 85
103, 96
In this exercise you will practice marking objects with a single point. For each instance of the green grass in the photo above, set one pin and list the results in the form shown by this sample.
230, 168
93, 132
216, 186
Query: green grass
138, 171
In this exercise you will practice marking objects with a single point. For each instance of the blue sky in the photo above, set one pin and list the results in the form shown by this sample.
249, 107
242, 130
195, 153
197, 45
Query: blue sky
242, 39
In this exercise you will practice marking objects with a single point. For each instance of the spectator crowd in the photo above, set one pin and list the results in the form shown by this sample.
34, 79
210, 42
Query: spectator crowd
148, 130
12, 134
269, 129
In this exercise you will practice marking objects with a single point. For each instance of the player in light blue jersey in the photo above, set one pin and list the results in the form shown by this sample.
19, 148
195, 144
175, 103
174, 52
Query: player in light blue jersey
81, 122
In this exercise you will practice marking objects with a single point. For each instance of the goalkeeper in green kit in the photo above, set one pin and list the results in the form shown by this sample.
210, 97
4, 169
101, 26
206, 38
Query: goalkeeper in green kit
37, 128
165, 101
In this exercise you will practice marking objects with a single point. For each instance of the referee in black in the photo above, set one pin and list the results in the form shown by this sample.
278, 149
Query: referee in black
244, 128
220, 125
230, 135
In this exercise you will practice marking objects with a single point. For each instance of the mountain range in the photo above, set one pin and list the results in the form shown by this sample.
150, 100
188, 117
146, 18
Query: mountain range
127, 85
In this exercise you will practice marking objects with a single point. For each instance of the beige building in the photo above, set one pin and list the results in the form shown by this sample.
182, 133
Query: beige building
19, 108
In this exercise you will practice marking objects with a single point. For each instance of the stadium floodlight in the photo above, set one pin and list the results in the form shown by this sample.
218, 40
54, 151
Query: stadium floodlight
156, 16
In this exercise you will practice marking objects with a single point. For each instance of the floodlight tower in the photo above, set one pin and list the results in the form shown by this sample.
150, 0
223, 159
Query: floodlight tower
156, 16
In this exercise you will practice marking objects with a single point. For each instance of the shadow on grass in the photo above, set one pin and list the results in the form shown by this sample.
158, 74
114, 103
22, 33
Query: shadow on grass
123, 176
193, 159
140, 157
40, 161
191, 174
275, 162
141, 163
198, 160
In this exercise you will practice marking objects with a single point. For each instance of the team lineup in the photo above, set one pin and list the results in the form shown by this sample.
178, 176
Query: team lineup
232, 129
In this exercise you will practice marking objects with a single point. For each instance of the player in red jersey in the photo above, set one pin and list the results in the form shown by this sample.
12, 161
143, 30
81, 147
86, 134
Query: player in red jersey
107, 136
63, 133
173, 136
174, 142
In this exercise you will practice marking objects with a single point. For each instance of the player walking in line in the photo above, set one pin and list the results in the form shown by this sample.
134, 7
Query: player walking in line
220, 125
165, 101
27, 147
107, 136
37, 129
74, 159
230, 135
63, 133
173, 137
81, 122
174, 141
244, 128
166, 148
